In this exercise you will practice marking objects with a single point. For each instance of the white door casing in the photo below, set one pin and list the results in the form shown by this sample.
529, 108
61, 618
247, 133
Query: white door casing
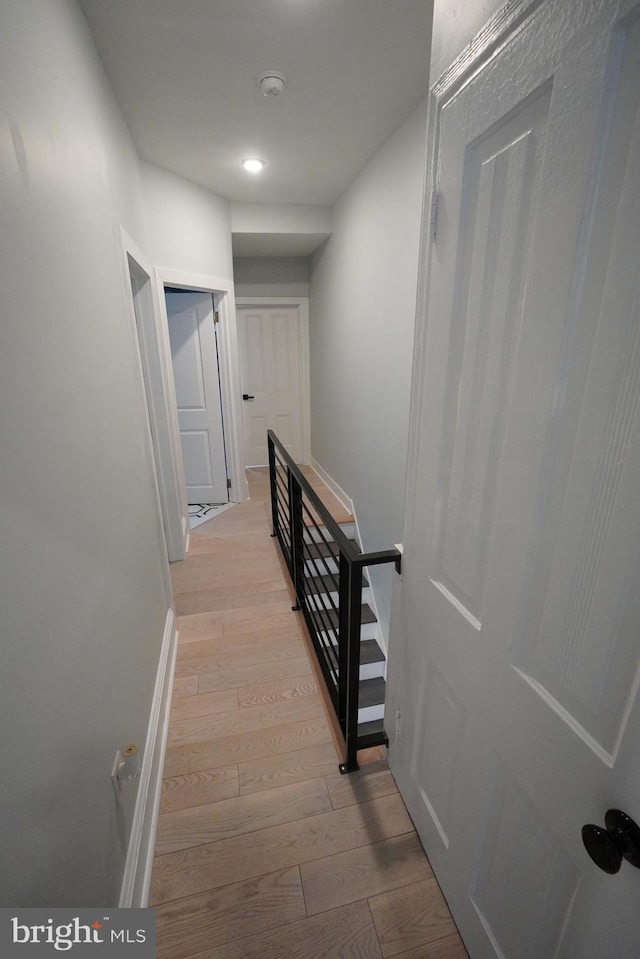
514, 656
197, 386
152, 346
273, 351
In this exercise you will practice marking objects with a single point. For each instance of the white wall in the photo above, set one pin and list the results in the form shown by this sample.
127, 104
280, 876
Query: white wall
82, 575
189, 227
362, 307
278, 230
83, 600
280, 218
455, 23
190, 241
271, 275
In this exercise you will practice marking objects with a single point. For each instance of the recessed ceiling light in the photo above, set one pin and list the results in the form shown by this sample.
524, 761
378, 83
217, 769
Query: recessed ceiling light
253, 164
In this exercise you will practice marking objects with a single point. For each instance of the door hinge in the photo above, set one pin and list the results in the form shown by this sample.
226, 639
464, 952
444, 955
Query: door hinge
228, 483
433, 222
397, 732
216, 318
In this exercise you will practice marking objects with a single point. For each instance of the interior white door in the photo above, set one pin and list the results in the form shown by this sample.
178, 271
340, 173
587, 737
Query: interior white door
195, 368
515, 666
269, 346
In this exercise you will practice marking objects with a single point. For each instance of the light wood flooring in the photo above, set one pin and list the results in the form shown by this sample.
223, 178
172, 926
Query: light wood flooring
264, 851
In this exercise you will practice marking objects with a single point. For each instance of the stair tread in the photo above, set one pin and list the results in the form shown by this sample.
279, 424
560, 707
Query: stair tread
374, 726
370, 652
321, 584
330, 617
326, 583
317, 522
371, 692
322, 550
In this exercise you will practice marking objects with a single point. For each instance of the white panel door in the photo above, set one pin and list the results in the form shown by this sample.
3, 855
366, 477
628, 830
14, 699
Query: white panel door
269, 345
515, 667
195, 369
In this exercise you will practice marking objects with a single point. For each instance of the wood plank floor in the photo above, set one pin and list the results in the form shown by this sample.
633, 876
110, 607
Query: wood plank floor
264, 851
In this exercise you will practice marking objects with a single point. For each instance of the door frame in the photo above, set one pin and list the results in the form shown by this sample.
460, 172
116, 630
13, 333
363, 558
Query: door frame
150, 340
302, 305
222, 291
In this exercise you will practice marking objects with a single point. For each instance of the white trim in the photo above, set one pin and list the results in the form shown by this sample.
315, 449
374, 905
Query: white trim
223, 296
147, 326
136, 880
329, 481
302, 304
503, 23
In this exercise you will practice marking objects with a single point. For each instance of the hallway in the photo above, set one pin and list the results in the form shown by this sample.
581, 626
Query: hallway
264, 851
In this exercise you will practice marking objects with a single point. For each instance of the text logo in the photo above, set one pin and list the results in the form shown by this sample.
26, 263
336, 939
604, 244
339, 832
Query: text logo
28, 933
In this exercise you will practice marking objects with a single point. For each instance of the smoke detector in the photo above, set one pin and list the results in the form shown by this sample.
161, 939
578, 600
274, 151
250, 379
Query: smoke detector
271, 82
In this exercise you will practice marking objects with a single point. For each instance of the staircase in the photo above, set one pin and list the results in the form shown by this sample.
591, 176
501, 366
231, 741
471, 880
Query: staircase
328, 570
323, 586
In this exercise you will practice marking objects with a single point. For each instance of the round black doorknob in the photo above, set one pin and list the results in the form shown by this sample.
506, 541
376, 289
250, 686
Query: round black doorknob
602, 848
619, 840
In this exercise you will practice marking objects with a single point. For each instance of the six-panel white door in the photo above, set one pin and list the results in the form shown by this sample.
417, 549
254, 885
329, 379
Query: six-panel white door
514, 657
197, 383
269, 346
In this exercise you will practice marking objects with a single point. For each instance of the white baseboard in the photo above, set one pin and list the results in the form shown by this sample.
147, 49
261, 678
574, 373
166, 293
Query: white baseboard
329, 481
134, 892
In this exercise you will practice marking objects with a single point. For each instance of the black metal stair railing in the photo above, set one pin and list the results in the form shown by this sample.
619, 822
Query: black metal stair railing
326, 569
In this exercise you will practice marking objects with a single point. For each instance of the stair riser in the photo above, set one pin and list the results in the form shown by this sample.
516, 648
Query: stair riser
379, 666
367, 631
334, 598
369, 713
373, 670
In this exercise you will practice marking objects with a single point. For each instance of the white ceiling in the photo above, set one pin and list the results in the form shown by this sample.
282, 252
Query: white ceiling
185, 74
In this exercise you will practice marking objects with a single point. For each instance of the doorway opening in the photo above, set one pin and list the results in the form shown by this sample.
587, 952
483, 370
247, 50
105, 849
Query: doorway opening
192, 318
219, 291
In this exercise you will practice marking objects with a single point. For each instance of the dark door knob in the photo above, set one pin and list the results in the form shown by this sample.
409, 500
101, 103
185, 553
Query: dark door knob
245, 396
619, 840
